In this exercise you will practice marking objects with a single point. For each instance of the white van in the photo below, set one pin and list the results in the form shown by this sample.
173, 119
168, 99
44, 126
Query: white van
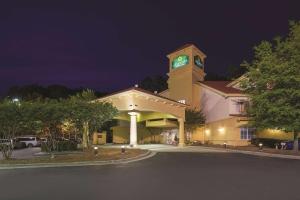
30, 141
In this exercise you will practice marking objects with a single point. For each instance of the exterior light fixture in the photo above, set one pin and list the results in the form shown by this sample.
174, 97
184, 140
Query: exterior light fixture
221, 130
96, 151
260, 146
122, 149
15, 100
207, 131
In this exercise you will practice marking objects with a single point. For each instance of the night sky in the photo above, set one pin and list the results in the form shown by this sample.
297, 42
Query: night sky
111, 45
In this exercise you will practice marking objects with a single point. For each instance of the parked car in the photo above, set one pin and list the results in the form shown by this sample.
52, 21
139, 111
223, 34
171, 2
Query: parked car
289, 145
18, 144
7, 142
30, 141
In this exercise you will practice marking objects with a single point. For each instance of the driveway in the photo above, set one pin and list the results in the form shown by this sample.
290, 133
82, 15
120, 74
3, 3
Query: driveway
24, 153
165, 176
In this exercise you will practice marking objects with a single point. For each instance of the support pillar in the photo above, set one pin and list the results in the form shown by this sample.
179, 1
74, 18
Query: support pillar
181, 132
133, 128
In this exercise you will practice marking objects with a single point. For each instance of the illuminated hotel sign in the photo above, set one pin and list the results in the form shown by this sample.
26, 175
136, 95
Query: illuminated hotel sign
198, 62
180, 61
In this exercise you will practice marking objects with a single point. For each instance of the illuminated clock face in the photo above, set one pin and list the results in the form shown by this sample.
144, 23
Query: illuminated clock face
180, 61
198, 62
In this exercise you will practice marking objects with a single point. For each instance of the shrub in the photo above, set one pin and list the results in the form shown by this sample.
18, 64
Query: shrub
60, 146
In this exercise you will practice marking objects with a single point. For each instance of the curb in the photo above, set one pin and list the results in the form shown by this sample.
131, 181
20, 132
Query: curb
256, 153
265, 154
144, 156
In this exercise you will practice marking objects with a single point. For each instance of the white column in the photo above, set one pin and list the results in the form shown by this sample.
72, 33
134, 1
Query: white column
181, 132
133, 128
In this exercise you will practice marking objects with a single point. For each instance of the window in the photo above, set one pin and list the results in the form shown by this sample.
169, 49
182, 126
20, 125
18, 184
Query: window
242, 106
182, 101
247, 133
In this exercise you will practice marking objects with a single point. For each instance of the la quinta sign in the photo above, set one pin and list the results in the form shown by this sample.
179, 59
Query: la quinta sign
180, 61
198, 62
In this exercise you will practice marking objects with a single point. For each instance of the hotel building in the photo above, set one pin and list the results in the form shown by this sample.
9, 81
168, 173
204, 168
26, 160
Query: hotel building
146, 117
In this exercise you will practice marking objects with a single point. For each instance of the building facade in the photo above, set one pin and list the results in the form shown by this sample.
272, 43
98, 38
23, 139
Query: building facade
147, 117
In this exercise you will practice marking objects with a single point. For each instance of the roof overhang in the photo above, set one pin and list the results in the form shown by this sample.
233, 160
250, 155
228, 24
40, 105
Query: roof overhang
142, 100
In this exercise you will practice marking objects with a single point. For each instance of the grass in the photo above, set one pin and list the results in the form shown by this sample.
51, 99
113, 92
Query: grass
104, 154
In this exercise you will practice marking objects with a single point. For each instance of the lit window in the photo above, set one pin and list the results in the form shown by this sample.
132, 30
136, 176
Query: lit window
247, 133
182, 101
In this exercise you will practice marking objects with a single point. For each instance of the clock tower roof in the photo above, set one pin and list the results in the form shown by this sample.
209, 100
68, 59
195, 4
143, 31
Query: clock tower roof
188, 45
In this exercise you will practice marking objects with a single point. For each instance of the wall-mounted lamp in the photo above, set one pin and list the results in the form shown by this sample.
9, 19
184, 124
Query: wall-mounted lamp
221, 130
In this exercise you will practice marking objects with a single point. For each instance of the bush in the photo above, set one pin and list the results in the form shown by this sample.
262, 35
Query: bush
66, 146
60, 146
266, 142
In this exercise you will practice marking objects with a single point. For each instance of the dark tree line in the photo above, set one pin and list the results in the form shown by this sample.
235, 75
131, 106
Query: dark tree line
33, 92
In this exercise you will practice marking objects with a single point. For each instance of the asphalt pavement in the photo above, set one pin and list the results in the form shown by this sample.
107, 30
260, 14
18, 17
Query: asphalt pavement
176, 175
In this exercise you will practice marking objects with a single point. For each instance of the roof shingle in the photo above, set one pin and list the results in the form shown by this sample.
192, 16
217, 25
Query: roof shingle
222, 86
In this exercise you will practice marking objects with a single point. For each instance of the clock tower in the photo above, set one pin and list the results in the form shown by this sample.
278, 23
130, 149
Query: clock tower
186, 68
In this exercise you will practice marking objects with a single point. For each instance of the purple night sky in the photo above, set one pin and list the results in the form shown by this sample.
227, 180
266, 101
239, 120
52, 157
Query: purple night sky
110, 45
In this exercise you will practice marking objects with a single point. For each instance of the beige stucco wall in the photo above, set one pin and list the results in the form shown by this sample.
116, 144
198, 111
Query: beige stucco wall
228, 131
220, 132
144, 135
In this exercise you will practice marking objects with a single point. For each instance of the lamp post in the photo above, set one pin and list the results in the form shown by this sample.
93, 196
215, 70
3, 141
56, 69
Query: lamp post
260, 146
96, 151
122, 149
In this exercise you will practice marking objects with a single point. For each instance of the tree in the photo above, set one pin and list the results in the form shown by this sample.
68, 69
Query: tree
193, 119
236, 71
155, 83
273, 84
36, 92
10, 124
88, 114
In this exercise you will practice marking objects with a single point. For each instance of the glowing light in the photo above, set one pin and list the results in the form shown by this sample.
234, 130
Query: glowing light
180, 61
221, 130
207, 132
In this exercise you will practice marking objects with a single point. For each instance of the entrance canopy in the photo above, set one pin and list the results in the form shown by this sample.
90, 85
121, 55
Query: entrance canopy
135, 100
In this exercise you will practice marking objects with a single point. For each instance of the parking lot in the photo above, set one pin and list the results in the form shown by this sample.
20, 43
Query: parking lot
24, 153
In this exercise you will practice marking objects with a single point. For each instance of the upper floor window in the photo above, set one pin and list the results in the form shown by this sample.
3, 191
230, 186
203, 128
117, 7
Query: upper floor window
247, 133
241, 106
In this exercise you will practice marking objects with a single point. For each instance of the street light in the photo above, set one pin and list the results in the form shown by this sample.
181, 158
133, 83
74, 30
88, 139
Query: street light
15, 100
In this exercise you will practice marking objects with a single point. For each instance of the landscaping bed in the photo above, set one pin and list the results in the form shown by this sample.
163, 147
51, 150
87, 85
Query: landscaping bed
104, 154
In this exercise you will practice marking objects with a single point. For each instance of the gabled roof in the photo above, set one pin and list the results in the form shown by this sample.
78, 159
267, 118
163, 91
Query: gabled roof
145, 92
222, 87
